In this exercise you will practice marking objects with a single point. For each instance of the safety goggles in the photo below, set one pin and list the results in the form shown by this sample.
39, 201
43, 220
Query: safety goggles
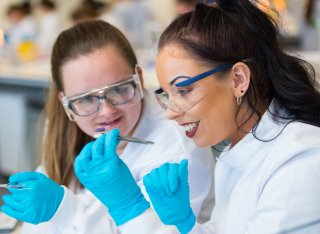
182, 96
121, 95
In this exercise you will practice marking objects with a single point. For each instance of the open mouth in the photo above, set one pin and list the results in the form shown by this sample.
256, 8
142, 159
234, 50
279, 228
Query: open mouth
191, 128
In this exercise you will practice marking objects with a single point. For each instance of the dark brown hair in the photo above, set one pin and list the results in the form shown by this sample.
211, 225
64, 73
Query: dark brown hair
229, 31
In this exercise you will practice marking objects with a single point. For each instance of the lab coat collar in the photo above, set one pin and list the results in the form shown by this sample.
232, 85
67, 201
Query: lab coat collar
268, 129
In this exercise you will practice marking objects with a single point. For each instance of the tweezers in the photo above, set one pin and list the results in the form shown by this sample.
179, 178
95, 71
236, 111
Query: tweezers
129, 139
134, 139
15, 186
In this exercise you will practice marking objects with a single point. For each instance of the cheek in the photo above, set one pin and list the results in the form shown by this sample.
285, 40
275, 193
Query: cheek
131, 118
86, 124
217, 121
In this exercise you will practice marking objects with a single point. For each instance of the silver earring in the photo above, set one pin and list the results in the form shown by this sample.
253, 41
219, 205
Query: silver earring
239, 100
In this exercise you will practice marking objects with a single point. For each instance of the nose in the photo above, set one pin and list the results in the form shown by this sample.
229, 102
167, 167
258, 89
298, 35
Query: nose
106, 108
170, 114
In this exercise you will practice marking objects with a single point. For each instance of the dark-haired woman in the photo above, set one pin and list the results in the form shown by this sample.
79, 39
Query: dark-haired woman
222, 73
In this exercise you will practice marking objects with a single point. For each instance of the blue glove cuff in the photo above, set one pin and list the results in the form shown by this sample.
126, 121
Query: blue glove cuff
188, 224
135, 208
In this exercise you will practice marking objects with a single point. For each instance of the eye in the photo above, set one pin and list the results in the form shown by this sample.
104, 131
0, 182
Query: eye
86, 100
184, 91
123, 89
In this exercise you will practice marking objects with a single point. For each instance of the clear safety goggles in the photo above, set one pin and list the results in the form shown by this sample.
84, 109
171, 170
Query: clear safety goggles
121, 95
182, 96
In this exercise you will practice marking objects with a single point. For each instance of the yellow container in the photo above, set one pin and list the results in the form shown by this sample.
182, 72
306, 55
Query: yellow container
27, 50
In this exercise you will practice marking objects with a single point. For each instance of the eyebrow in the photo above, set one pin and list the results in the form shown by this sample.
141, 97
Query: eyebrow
176, 78
160, 89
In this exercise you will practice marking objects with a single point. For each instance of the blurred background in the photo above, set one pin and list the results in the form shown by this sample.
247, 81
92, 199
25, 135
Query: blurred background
28, 30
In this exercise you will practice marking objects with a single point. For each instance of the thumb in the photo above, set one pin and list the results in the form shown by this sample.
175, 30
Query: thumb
183, 171
111, 143
83, 159
148, 183
24, 176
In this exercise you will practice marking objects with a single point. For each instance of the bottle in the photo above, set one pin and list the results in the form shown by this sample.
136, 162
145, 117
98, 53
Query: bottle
27, 49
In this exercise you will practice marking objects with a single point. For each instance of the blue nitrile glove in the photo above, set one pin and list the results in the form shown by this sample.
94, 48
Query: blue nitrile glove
100, 170
168, 190
37, 203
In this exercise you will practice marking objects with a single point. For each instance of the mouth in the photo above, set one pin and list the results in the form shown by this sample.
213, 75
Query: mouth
110, 124
191, 128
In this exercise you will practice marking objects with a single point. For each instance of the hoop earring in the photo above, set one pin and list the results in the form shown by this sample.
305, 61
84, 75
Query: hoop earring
239, 100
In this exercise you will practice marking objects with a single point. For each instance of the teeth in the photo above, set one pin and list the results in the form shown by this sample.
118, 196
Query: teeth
96, 135
190, 127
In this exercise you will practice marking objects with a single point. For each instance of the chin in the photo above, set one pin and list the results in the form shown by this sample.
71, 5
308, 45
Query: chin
201, 143
205, 142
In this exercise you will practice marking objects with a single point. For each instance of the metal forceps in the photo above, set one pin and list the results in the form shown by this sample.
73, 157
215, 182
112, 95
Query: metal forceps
134, 139
100, 131
14, 186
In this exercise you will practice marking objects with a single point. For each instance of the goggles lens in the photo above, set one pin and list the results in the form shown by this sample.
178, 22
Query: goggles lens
180, 99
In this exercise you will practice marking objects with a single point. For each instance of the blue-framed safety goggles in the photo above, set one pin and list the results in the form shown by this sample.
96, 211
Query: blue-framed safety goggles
182, 96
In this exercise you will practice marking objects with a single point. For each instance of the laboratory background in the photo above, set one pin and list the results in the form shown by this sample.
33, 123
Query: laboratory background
28, 30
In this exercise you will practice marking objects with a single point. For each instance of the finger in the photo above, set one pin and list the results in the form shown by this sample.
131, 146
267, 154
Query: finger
183, 171
163, 176
78, 169
26, 186
98, 146
173, 177
85, 154
156, 181
83, 159
148, 184
12, 203
111, 143
11, 212
20, 195
24, 176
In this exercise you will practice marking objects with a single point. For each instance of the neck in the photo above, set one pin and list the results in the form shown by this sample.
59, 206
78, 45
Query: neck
122, 145
245, 122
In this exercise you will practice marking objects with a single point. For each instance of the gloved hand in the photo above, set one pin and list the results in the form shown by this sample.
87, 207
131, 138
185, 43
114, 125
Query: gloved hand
35, 204
168, 190
100, 170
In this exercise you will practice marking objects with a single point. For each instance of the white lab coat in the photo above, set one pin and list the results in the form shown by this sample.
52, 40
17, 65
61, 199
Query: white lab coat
81, 212
262, 187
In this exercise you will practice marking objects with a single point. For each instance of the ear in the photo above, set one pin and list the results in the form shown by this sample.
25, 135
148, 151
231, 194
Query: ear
66, 109
60, 96
140, 74
241, 79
